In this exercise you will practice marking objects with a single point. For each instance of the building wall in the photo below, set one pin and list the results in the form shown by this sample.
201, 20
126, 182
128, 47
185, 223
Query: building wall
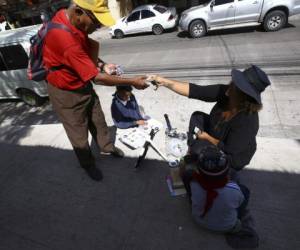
120, 8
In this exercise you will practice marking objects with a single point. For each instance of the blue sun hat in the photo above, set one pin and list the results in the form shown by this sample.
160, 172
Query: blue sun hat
252, 81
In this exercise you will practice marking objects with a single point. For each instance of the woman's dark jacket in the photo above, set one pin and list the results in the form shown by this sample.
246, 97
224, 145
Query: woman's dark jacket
238, 135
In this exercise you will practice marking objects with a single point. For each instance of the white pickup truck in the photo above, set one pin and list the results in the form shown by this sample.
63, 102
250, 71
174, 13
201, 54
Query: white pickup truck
224, 14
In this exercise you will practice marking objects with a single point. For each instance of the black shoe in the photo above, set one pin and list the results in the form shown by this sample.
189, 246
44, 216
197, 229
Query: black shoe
94, 172
117, 152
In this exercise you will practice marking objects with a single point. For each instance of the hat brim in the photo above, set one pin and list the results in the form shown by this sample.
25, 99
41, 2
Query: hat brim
105, 18
244, 85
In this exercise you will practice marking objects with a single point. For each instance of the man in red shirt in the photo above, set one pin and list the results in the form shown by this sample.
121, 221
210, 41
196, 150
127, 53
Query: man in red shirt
71, 92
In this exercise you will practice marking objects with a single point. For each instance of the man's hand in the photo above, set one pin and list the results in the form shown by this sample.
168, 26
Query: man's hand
141, 122
140, 82
110, 68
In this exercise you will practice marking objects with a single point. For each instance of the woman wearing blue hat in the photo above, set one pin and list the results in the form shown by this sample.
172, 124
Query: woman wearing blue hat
233, 123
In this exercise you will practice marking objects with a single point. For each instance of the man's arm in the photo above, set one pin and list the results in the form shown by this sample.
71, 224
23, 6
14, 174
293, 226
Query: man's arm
110, 80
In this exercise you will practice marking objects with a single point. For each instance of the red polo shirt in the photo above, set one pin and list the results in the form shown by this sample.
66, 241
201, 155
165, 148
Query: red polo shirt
71, 50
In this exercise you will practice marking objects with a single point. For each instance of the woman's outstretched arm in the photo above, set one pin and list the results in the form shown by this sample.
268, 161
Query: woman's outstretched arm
181, 88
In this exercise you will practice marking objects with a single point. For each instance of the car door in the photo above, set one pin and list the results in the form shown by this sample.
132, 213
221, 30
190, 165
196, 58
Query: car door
247, 10
132, 23
13, 72
221, 12
4, 91
148, 18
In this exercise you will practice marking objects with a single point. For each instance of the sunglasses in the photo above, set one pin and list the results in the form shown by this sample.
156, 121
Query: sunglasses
95, 21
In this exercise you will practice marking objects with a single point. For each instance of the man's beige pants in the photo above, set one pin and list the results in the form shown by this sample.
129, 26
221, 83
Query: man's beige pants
80, 111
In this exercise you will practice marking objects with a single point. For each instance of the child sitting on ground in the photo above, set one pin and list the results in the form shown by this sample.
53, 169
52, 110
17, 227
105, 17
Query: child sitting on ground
125, 109
217, 202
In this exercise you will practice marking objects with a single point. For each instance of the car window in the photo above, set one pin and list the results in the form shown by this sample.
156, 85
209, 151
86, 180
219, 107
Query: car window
15, 57
160, 8
220, 2
147, 14
134, 16
2, 65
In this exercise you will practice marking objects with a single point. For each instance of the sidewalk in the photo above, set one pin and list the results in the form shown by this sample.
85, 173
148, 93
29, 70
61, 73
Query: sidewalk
48, 202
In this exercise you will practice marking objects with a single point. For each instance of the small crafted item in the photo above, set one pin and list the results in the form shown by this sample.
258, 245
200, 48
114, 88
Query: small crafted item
176, 148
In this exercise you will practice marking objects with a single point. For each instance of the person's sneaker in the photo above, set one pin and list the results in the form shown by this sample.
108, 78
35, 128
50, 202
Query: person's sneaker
117, 152
94, 172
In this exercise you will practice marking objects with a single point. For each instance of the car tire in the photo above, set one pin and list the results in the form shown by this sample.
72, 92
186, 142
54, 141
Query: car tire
30, 98
119, 34
197, 29
157, 29
275, 20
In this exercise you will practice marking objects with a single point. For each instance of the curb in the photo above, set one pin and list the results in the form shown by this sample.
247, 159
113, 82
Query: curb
295, 17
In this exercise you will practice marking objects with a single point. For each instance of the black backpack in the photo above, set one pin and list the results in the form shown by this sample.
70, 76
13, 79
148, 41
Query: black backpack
36, 70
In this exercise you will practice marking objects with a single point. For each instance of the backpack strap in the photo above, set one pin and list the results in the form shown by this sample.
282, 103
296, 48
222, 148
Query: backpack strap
49, 26
52, 25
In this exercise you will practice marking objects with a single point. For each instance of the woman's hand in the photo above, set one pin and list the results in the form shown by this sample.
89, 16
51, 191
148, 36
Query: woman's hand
160, 81
181, 88
202, 135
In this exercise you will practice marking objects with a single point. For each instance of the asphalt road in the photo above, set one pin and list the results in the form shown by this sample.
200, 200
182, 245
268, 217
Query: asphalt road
218, 50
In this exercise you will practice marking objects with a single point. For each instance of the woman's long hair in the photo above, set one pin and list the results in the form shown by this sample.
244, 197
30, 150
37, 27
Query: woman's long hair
248, 104
244, 102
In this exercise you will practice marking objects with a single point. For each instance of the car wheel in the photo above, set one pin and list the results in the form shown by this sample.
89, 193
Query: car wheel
119, 34
30, 98
157, 29
275, 20
197, 29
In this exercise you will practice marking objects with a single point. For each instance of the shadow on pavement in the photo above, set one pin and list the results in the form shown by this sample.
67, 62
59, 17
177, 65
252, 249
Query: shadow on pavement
185, 34
146, 34
48, 202
18, 113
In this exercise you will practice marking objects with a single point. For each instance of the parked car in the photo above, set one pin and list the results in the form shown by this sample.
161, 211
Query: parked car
146, 18
14, 51
224, 14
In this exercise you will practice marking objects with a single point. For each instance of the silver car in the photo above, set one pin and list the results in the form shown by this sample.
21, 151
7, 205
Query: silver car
14, 51
224, 14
